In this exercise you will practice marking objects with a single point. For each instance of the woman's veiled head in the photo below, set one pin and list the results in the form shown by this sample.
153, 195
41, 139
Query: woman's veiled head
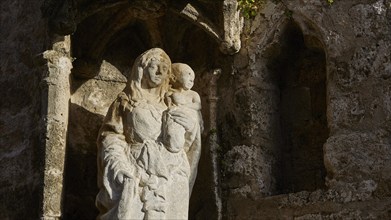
152, 69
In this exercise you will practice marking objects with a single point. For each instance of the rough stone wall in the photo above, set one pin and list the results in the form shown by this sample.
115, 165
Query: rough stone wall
355, 37
23, 37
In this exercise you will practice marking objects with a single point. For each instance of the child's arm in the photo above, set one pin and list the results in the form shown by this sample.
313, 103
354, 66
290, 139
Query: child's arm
196, 102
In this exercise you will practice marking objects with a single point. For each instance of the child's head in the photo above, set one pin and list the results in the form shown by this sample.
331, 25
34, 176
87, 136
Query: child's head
183, 76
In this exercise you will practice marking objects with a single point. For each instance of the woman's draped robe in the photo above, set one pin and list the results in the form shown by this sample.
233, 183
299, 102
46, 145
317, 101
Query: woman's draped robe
160, 184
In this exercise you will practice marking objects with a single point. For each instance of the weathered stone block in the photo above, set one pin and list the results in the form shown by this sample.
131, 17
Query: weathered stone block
356, 157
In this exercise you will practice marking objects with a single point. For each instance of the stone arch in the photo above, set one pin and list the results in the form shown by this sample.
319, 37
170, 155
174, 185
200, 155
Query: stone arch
103, 47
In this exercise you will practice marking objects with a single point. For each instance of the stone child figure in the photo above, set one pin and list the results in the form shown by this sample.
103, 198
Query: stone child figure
139, 177
181, 83
181, 96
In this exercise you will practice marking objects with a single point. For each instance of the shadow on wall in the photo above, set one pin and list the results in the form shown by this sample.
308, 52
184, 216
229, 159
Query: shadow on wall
80, 172
301, 71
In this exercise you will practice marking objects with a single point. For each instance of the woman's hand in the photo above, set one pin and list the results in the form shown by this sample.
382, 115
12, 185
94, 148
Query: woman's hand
122, 175
181, 118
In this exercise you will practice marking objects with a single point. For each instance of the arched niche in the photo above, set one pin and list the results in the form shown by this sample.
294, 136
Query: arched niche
301, 77
104, 47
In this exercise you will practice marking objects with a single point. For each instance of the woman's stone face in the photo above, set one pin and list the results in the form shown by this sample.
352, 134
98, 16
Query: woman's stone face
156, 72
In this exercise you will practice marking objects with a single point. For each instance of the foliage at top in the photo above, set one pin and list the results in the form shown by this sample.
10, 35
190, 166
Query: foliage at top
330, 2
249, 8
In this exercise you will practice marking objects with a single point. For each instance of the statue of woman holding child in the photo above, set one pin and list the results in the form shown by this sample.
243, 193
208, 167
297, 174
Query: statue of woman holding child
150, 143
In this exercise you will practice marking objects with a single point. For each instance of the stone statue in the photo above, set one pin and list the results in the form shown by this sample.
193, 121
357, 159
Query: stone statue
148, 153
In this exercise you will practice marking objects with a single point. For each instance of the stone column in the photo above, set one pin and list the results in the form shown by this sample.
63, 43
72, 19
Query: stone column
55, 104
213, 139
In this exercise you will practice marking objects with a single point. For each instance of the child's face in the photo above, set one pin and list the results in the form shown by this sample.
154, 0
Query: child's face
187, 79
